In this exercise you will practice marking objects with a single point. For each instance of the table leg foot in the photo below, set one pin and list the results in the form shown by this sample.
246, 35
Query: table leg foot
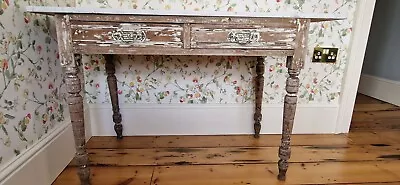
84, 176
283, 166
118, 130
282, 175
257, 128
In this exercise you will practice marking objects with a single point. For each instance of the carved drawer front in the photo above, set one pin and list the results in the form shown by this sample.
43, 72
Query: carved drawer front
127, 34
242, 37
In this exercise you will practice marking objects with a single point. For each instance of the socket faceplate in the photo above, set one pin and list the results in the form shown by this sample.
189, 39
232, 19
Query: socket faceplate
325, 55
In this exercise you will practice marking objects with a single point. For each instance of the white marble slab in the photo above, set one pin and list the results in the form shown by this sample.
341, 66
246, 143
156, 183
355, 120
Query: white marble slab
109, 11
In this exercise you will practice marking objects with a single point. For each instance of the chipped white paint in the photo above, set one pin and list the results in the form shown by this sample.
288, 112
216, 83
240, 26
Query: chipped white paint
94, 27
64, 61
157, 35
265, 46
109, 11
78, 32
64, 36
98, 36
290, 39
104, 45
301, 44
187, 34
261, 29
260, 37
148, 44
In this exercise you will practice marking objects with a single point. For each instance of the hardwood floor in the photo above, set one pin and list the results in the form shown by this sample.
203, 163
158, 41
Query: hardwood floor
366, 155
373, 114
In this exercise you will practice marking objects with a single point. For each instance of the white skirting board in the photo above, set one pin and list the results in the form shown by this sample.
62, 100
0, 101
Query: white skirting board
41, 164
142, 119
380, 88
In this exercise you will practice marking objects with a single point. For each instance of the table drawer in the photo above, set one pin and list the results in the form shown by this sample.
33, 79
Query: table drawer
242, 37
127, 34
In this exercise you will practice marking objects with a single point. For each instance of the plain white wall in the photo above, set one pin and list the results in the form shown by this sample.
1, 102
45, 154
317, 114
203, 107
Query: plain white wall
382, 58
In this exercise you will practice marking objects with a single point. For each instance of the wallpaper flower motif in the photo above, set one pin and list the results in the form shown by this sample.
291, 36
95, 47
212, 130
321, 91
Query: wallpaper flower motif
31, 93
166, 79
172, 79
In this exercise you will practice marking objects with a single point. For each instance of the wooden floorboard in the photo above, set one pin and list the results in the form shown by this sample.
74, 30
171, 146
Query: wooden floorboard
373, 183
375, 107
389, 135
133, 175
368, 155
377, 124
376, 115
213, 141
363, 99
373, 114
305, 173
240, 155
380, 137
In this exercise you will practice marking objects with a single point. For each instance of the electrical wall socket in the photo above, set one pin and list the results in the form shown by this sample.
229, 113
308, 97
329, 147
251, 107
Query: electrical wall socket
325, 55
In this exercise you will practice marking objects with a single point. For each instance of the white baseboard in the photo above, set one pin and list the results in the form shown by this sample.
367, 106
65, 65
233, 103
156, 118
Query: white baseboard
184, 119
380, 88
42, 163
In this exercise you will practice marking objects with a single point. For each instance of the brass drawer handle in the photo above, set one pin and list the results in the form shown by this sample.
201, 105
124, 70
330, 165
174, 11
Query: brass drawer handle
244, 37
128, 36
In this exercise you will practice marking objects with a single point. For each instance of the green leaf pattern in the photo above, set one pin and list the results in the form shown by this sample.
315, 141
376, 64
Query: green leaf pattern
31, 92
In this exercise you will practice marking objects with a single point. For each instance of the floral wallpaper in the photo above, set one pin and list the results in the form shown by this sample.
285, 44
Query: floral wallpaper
32, 101
182, 79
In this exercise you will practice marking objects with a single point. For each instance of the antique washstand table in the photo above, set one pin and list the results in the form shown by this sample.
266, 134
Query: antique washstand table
138, 32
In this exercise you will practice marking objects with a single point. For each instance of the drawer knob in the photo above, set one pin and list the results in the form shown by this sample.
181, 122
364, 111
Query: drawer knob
244, 37
128, 36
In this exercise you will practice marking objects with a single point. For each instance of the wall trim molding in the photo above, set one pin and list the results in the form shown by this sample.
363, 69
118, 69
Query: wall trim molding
42, 162
200, 119
380, 88
358, 45
199, 106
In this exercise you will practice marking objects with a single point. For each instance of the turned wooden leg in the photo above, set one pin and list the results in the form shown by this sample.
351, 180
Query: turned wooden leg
292, 88
259, 91
70, 62
112, 86
75, 103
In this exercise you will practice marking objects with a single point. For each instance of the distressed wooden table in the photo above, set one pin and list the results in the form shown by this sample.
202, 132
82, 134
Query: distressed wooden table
138, 32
